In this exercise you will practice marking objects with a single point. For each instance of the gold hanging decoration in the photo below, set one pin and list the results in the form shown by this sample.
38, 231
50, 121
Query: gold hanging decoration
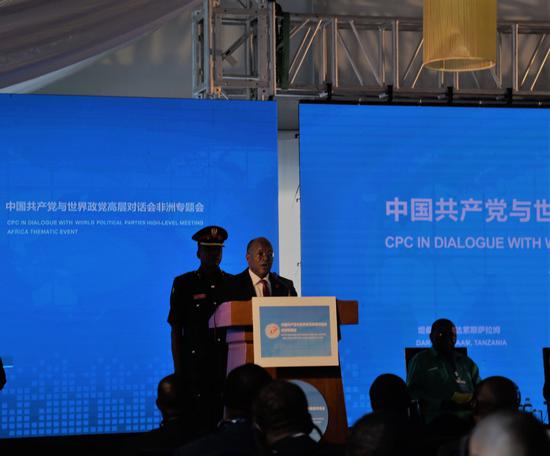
460, 35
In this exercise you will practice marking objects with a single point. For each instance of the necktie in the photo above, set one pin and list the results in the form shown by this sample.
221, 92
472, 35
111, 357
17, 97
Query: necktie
265, 288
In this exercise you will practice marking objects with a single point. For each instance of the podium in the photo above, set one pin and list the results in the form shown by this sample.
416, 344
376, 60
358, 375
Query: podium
236, 318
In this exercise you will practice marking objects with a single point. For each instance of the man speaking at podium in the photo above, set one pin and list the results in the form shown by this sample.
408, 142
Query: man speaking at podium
257, 279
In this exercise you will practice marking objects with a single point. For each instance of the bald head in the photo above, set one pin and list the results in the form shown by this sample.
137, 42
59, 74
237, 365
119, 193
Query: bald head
509, 434
495, 394
168, 396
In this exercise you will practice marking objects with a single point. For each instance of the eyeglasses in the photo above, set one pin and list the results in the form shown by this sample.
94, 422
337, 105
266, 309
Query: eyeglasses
261, 254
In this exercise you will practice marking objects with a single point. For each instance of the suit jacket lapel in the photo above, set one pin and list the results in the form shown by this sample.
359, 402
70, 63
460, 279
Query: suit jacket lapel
250, 285
276, 289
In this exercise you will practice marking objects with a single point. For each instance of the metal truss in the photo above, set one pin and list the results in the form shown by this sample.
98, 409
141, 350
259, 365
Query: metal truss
245, 49
243, 69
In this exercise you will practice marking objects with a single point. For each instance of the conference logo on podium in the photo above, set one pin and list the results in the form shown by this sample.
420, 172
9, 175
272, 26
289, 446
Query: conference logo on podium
272, 331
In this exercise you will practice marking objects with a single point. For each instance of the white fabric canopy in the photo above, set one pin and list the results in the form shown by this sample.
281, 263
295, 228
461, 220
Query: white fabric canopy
42, 36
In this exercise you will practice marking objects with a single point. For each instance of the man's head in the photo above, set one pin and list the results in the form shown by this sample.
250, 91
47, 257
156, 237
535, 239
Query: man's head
380, 433
168, 397
443, 336
259, 256
495, 394
242, 385
210, 257
281, 410
210, 241
509, 434
389, 392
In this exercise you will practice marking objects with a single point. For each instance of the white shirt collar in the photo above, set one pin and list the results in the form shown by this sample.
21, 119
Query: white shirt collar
256, 279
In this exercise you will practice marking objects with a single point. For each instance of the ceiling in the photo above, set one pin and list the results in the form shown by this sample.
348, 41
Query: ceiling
508, 9
159, 64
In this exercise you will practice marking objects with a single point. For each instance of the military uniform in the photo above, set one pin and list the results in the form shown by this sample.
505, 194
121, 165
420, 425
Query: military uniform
200, 357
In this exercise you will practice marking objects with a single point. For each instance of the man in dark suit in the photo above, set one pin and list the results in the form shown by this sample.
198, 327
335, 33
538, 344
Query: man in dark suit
257, 279
235, 434
174, 428
281, 416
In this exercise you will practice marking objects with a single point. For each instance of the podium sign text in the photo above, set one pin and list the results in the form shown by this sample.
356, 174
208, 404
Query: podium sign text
291, 331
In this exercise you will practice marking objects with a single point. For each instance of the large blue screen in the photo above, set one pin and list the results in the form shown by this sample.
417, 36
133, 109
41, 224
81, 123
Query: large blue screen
99, 200
429, 212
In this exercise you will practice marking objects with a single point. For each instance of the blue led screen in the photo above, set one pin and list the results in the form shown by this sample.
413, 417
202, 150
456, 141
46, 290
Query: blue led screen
99, 200
423, 213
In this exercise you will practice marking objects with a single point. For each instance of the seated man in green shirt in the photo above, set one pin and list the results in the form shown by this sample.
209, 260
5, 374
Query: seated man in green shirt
442, 379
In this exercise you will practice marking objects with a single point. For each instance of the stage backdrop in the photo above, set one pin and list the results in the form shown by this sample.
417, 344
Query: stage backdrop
429, 212
99, 200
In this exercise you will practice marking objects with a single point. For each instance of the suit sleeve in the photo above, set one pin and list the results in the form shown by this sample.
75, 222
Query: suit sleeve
291, 288
174, 319
174, 316
286, 284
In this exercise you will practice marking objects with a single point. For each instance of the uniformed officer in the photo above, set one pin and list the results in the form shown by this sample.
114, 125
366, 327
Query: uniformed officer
199, 353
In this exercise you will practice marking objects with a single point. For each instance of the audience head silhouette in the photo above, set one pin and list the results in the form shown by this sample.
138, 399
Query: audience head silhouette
281, 410
168, 397
389, 392
495, 394
509, 434
242, 385
379, 434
